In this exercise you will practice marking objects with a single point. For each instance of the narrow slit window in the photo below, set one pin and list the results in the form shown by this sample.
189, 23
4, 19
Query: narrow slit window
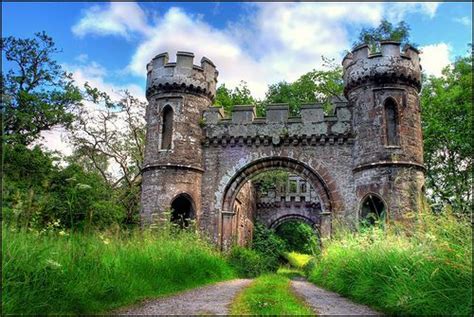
391, 122
167, 128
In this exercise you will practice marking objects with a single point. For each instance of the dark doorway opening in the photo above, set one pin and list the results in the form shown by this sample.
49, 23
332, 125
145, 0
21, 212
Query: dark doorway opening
182, 211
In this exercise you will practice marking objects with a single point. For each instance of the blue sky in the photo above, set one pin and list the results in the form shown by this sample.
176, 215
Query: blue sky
109, 44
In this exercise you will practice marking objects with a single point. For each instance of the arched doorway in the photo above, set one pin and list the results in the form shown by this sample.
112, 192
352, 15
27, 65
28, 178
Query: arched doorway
182, 210
372, 209
236, 182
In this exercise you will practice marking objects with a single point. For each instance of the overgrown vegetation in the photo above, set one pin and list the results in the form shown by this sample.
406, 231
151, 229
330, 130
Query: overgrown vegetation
298, 236
425, 270
265, 254
58, 272
269, 295
385, 31
269, 250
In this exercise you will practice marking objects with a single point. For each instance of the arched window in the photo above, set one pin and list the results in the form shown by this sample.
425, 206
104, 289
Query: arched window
372, 210
182, 210
167, 128
391, 122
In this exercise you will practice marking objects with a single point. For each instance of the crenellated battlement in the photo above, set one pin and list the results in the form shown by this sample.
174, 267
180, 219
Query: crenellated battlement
389, 65
312, 127
182, 75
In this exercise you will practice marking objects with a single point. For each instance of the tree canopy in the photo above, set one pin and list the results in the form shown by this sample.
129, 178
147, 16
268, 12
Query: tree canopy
447, 119
385, 31
37, 93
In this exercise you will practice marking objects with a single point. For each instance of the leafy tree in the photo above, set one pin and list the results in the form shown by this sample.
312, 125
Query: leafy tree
385, 31
36, 93
447, 119
274, 178
228, 98
113, 136
316, 86
38, 193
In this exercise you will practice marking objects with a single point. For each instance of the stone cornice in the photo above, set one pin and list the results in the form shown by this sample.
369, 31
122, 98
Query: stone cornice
389, 163
296, 140
171, 166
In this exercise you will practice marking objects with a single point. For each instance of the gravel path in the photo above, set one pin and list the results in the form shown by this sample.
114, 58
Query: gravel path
328, 303
208, 300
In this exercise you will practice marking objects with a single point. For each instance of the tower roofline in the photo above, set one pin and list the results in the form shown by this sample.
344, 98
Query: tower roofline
182, 75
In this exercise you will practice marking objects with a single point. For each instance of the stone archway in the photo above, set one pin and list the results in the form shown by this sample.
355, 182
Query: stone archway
293, 217
269, 163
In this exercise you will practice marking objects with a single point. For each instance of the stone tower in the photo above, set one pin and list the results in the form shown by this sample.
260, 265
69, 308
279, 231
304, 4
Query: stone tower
177, 93
387, 153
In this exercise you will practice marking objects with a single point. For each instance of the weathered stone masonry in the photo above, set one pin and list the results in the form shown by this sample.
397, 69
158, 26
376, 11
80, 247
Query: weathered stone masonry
370, 146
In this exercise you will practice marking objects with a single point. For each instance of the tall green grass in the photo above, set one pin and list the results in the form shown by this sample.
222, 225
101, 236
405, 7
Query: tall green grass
78, 273
425, 269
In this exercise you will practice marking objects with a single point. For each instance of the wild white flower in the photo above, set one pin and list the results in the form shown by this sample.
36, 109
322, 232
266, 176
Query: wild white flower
53, 263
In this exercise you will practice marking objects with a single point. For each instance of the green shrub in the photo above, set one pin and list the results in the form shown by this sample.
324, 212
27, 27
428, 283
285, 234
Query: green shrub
247, 262
269, 246
78, 273
423, 270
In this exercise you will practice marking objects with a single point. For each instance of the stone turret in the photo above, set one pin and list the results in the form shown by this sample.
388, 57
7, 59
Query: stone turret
178, 93
183, 75
383, 89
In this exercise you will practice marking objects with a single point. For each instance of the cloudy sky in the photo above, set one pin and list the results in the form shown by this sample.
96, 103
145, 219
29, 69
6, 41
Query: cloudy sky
109, 44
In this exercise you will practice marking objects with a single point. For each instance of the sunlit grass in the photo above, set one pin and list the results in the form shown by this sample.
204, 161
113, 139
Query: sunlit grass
84, 273
298, 260
426, 269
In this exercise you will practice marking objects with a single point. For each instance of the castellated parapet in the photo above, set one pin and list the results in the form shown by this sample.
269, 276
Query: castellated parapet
390, 65
163, 76
312, 127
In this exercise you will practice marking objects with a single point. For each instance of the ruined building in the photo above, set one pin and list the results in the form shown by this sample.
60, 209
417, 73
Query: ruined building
366, 157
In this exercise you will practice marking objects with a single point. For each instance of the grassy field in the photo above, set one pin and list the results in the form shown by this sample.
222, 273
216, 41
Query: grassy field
427, 270
87, 273
269, 294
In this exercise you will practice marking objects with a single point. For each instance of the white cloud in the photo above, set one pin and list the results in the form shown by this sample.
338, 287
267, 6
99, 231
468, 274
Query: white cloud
117, 18
95, 74
56, 139
395, 11
272, 42
435, 57
278, 41
466, 21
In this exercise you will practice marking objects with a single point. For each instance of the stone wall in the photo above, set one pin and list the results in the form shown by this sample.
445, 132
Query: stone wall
245, 210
